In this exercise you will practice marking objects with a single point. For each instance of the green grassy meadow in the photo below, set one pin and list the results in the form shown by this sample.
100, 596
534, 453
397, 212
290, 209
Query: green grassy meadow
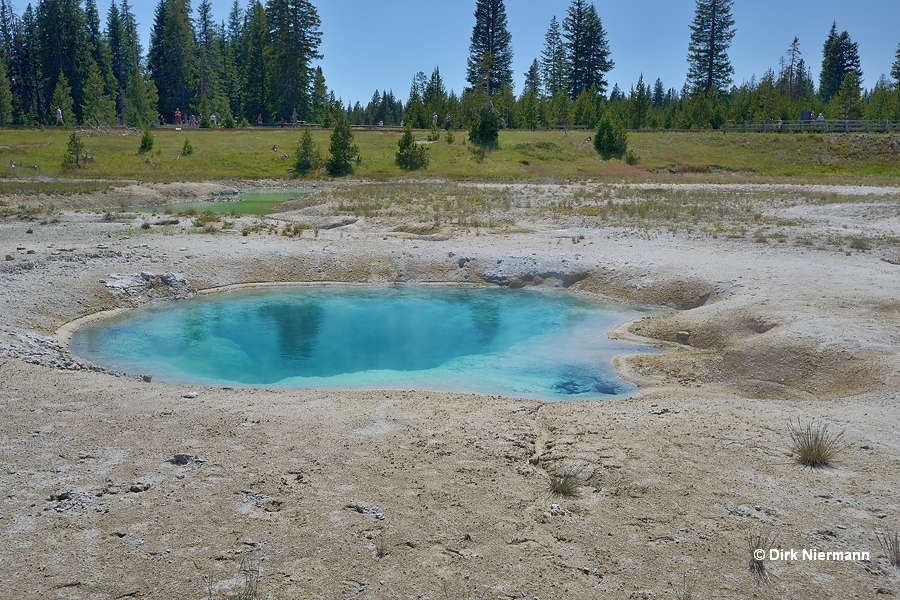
243, 154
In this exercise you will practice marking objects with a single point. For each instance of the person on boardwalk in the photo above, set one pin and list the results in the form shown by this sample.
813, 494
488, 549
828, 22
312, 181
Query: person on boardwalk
178, 116
434, 120
59, 119
448, 122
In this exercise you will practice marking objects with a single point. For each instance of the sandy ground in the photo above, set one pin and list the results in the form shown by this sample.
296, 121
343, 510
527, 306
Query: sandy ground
114, 487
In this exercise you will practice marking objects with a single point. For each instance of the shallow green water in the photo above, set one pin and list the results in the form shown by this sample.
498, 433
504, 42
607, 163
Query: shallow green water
549, 346
257, 202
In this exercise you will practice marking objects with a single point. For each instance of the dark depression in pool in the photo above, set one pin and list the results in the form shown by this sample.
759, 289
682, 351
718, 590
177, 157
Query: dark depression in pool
543, 345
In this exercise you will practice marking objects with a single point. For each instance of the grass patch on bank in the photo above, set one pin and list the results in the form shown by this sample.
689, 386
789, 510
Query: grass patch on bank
33, 155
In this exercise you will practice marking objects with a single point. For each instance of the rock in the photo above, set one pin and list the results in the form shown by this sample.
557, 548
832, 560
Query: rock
372, 511
138, 285
10, 257
683, 337
189, 395
183, 460
339, 222
69, 500
146, 378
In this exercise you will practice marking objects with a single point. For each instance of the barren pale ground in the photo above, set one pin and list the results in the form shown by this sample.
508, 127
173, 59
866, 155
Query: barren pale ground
781, 304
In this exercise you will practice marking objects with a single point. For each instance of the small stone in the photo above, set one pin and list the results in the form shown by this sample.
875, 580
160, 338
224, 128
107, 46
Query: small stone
10, 257
189, 395
683, 337
146, 378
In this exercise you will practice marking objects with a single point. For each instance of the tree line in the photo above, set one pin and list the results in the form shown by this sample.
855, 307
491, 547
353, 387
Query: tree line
261, 64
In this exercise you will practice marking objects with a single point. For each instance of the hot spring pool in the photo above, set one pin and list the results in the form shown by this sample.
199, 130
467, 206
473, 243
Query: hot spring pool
533, 344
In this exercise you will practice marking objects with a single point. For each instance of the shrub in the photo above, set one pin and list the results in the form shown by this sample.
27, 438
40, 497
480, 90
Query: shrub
146, 141
434, 135
187, 149
410, 155
449, 137
860, 243
228, 121
814, 445
611, 140
485, 129
342, 149
631, 158
308, 157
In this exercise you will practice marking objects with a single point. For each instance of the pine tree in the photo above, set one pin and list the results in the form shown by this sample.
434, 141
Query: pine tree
840, 56
172, 57
610, 140
530, 108
587, 49
343, 150
490, 51
584, 109
99, 48
639, 104
533, 78
209, 52
307, 158
62, 98
25, 72
410, 155
294, 45
99, 108
484, 130
6, 98
64, 49
895, 68
791, 75
254, 64
847, 104
659, 94
141, 100
711, 33
553, 60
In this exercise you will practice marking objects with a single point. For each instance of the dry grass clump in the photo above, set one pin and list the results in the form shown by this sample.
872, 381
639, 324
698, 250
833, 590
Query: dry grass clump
759, 545
890, 543
686, 590
568, 482
249, 589
813, 445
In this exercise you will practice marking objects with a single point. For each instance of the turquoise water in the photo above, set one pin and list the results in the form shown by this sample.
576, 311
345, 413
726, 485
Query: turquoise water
254, 202
549, 346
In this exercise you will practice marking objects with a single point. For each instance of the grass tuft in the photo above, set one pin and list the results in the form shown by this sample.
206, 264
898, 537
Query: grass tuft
567, 483
759, 545
890, 543
686, 590
813, 445
249, 590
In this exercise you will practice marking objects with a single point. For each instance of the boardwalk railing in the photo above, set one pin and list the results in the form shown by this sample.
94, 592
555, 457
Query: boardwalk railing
826, 126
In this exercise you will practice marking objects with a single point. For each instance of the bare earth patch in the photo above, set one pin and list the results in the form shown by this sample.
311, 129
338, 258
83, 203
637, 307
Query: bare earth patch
117, 487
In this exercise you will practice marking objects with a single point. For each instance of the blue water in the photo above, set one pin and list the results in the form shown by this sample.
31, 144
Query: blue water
543, 345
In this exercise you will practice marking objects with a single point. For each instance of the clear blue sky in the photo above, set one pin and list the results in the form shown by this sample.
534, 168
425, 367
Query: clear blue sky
370, 45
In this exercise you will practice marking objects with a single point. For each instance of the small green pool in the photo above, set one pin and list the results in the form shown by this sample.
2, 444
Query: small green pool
253, 202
